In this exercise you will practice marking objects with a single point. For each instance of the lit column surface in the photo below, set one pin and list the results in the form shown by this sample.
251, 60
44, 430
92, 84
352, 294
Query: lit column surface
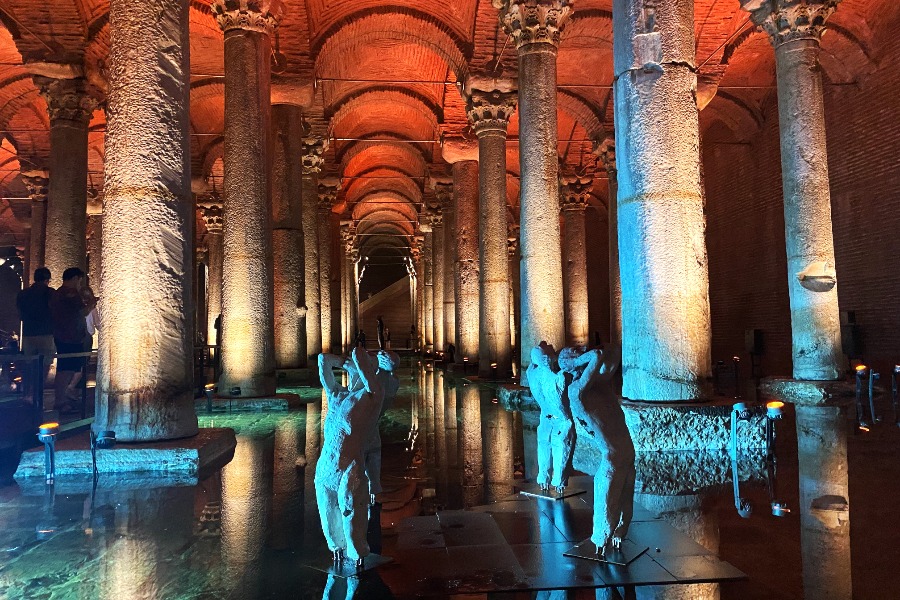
287, 237
535, 26
443, 190
346, 334
437, 276
248, 339
471, 445
606, 151
795, 30
94, 242
37, 184
512, 253
465, 199
489, 104
428, 280
665, 281
145, 374
573, 195
498, 453
327, 191
213, 218
70, 109
313, 148
442, 479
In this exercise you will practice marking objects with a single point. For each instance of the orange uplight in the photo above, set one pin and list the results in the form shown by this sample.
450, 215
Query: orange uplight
860, 368
209, 386
864, 428
775, 404
48, 425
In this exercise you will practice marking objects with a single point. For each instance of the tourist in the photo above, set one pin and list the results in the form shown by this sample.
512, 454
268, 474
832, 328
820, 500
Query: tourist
37, 322
69, 305
380, 329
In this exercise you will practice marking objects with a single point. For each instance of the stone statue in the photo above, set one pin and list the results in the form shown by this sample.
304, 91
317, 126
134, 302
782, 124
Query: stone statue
387, 363
556, 433
341, 482
598, 414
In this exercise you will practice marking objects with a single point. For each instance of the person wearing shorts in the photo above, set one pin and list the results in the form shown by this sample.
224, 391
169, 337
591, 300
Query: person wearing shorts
69, 306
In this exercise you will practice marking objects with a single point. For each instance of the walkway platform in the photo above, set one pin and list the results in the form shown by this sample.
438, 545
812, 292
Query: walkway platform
519, 544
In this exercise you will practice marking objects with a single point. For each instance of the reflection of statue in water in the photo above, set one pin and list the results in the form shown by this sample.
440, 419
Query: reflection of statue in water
599, 415
341, 483
340, 588
387, 363
555, 432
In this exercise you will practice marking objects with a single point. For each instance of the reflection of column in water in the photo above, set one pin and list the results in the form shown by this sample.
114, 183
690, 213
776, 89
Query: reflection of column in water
246, 493
498, 453
139, 561
824, 502
518, 448
324, 405
429, 417
421, 421
287, 501
440, 437
686, 514
313, 446
530, 420
451, 434
471, 445
340, 588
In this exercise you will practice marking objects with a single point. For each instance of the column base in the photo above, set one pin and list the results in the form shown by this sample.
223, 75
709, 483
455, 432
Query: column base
807, 393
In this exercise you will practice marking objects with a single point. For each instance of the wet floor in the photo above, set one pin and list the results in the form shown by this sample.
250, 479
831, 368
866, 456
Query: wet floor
251, 529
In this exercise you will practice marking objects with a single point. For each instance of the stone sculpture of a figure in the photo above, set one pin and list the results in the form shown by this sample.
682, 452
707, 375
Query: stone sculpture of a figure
598, 415
342, 488
556, 432
387, 363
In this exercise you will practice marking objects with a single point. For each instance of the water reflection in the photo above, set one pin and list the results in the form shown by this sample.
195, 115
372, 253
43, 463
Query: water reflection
470, 445
498, 452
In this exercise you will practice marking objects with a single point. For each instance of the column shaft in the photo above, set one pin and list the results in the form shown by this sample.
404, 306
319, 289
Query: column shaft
94, 249
465, 200
324, 230
575, 278
428, 277
665, 286
449, 278
214, 244
615, 282
313, 289
145, 378
37, 236
437, 278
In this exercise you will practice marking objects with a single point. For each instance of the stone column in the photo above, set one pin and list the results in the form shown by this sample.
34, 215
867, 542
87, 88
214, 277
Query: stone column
70, 109
606, 152
287, 237
463, 155
327, 190
795, 30
665, 282
94, 241
248, 339
145, 374
428, 283
443, 190
313, 148
354, 288
346, 336
471, 444
437, 275
573, 195
418, 250
214, 219
489, 105
535, 27
512, 253
37, 183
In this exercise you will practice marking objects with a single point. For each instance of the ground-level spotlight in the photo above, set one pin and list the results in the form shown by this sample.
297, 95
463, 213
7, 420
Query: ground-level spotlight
47, 433
774, 412
739, 412
494, 370
862, 424
209, 389
736, 363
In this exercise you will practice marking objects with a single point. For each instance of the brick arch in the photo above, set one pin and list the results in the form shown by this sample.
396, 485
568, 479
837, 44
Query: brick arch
344, 151
386, 111
587, 115
402, 157
363, 201
391, 202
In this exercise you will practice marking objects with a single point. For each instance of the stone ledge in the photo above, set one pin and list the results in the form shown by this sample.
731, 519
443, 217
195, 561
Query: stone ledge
808, 393
187, 455
278, 402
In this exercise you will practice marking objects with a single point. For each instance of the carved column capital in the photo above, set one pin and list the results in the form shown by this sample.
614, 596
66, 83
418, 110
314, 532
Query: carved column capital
489, 107
432, 216
38, 185
534, 21
67, 99
348, 236
261, 16
443, 191
313, 159
789, 20
605, 151
574, 191
328, 191
94, 203
213, 217
512, 239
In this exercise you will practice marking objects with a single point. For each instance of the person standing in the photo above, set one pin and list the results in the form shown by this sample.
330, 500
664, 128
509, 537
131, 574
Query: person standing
380, 331
69, 306
37, 322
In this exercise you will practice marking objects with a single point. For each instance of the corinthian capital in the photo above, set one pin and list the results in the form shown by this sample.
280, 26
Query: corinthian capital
38, 185
512, 239
605, 151
328, 191
490, 103
574, 191
213, 217
443, 191
788, 20
533, 21
261, 16
67, 99
313, 149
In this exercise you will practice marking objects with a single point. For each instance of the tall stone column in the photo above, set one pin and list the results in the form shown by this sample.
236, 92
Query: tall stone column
489, 105
37, 184
512, 253
346, 336
248, 338
214, 219
463, 155
313, 148
327, 190
287, 237
354, 288
573, 196
443, 190
145, 375
665, 281
535, 27
795, 29
437, 275
94, 241
417, 251
70, 108
606, 152
428, 281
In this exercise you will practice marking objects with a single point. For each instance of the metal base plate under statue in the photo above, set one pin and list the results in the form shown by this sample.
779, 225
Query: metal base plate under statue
534, 490
347, 568
622, 556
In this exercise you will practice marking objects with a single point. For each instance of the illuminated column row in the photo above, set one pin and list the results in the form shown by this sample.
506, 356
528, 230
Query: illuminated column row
443, 191
573, 196
37, 183
606, 152
428, 283
327, 190
437, 275
213, 219
313, 148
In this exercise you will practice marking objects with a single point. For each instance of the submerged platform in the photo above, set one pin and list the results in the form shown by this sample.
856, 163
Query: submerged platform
521, 543
186, 456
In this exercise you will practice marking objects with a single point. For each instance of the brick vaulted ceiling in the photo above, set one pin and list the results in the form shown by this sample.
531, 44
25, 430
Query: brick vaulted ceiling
379, 80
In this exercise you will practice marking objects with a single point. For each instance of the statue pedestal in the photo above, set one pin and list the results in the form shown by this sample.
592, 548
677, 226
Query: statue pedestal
533, 490
622, 556
347, 568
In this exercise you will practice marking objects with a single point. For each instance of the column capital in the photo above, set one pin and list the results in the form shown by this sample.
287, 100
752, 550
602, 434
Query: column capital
38, 184
533, 21
348, 236
789, 20
328, 191
605, 151
512, 239
94, 203
261, 16
574, 191
443, 191
67, 99
432, 217
313, 159
213, 217
490, 103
